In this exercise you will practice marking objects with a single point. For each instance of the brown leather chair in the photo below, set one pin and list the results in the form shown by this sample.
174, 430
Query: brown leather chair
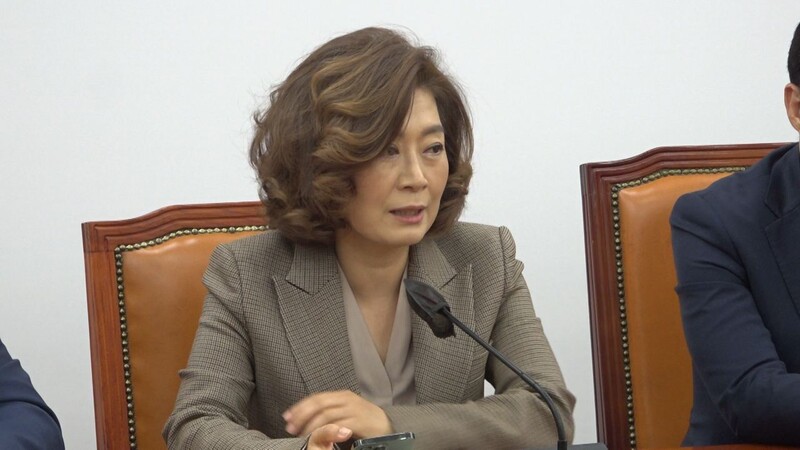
642, 368
145, 295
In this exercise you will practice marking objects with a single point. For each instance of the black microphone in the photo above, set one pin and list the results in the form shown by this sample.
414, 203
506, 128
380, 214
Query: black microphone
431, 307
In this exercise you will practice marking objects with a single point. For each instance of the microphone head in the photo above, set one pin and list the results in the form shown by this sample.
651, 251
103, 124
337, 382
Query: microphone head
428, 304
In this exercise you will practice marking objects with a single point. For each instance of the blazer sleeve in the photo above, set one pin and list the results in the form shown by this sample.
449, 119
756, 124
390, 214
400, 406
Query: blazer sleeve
732, 351
514, 417
211, 410
25, 420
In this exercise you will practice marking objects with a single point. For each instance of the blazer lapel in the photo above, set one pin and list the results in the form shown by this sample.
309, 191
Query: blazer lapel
783, 198
311, 305
441, 365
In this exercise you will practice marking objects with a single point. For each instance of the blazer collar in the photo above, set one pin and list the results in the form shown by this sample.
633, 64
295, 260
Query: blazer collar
311, 305
313, 267
442, 366
783, 199
312, 309
427, 263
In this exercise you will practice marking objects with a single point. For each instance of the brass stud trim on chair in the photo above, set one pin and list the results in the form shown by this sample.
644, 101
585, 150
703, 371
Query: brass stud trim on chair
123, 327
615, 189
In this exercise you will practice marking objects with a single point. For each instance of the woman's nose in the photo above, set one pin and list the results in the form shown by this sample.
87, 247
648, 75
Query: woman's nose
412, 175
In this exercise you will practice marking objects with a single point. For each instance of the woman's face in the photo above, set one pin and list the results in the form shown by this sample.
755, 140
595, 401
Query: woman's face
397, 193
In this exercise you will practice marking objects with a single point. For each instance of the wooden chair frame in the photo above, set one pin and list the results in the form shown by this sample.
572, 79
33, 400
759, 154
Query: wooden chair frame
599, 184
103, 243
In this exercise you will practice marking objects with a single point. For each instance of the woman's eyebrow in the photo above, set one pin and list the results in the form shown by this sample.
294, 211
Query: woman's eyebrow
433, 129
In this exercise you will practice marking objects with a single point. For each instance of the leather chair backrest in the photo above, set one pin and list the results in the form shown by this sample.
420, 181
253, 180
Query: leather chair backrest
660, 367
642, 367
144, 283
163, 296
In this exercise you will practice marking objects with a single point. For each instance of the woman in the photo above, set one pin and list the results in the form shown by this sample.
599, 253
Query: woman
306, 336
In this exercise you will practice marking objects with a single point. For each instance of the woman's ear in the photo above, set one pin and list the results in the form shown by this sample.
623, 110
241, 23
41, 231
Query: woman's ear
791, 99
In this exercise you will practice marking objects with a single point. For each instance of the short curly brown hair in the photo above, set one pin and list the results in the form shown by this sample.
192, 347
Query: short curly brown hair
336, 111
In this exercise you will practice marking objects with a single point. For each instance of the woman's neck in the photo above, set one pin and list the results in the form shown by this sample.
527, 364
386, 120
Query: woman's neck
372, 273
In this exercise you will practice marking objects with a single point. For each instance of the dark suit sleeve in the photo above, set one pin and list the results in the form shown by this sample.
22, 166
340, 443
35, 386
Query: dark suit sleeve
514, 417
216, 386
732, 351
25, 420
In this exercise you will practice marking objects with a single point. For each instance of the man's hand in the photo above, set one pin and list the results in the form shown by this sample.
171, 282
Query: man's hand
342, 408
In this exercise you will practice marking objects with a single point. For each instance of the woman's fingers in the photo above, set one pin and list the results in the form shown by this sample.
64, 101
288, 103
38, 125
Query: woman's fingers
312, 412
324, 437
344, 408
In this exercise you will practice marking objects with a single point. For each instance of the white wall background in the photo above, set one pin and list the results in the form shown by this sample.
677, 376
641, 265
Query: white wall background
109, 111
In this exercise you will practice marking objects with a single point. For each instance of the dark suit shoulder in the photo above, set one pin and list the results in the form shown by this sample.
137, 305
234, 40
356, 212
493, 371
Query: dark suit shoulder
25, 420
747, 187
737, 195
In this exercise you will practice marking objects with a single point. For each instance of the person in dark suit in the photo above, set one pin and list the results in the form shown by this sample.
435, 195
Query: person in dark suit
26, 422
737, 254
306, 335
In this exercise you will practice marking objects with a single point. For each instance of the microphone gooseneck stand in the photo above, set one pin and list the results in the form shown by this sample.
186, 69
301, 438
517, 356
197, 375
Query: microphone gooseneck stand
431, 307
562, 437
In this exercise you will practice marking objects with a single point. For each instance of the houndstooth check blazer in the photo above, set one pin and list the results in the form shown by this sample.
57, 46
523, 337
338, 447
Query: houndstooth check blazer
273, 331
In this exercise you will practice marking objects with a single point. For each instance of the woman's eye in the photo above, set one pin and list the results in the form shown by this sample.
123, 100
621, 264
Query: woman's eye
435, 149
391, 151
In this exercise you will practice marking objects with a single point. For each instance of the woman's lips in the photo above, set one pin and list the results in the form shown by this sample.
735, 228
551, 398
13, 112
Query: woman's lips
411, 215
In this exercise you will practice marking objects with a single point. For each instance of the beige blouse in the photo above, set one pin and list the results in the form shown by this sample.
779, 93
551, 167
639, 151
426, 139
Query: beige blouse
392, 383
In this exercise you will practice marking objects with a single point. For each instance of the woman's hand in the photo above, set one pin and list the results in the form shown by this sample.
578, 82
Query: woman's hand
343, 408
323, 438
